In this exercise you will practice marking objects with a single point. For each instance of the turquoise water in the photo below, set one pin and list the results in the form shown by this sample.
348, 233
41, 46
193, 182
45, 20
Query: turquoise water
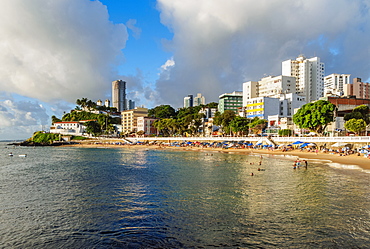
123, 198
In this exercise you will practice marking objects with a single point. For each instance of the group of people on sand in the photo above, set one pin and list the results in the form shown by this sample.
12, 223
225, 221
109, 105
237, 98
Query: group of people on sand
298, 163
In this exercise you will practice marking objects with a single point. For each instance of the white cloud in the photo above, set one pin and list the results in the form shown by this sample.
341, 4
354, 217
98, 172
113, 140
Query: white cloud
58, 49
217, 44
19, 119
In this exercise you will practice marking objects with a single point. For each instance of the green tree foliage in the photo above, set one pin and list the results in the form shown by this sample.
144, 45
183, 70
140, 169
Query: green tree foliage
93, 128
355, 125
285, 132
224, 120
239, 125
44, 138
212, 105
315, 116
162, 111
257, 125
54, 119
359, 112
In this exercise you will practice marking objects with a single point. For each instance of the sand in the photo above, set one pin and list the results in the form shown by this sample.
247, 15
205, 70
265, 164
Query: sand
354, 159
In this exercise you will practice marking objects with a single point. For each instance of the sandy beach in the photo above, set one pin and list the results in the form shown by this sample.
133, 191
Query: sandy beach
353, 159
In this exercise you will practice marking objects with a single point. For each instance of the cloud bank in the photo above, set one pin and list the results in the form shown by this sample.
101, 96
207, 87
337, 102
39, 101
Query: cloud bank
54, 51
218, 45
58, 49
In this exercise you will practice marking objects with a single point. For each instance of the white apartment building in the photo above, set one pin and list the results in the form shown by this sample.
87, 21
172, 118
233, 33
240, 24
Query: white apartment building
309, 74
334, 84
199, 100
283, 106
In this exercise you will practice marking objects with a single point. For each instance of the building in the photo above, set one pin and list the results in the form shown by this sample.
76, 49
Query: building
107, 103
271, 86
68, 128
188, 101
262, 107
130, 104
199, 100
230, 101
358, 88
129, 119
119, 95
344, 105
334, 84
309, 74
145, 124
208, 112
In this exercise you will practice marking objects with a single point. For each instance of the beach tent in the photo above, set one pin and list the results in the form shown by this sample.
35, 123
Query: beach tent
298, 142
304, 145
339, 144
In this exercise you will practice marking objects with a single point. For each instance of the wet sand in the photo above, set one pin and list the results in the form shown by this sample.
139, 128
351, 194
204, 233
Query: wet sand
360, 161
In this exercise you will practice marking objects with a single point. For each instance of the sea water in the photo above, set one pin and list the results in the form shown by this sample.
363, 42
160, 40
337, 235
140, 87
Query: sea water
64, 197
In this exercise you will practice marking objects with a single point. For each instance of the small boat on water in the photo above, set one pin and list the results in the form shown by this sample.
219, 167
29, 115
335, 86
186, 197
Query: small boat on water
23, 155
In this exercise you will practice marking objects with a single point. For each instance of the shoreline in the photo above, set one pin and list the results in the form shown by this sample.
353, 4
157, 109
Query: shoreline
360, 161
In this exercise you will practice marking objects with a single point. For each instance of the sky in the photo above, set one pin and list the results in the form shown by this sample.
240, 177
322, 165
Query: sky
53, 52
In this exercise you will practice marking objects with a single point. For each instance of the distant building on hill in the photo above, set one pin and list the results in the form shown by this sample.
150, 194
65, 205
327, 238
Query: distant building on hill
188, 101
119, 95
199, 100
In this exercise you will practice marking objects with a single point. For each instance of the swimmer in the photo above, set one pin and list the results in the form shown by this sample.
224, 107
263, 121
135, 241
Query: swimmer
252, 174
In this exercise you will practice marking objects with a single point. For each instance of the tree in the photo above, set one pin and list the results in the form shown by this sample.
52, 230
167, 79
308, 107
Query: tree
239, 125
355, 125
359, 112
285, 132
93, 128
162, 111
257, 125
224, 120
54, 119
315, 116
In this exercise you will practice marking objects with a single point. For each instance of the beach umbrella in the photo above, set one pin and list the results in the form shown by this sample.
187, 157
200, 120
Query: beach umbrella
338, 144
259, 144
311, 144
304, 145
298, 142
366, 146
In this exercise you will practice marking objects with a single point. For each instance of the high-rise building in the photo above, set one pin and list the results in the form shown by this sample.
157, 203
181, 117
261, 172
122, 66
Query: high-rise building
119, 95
309, 74
188, 101
130, 104
358, 88
199, 100
230, 101
334, 84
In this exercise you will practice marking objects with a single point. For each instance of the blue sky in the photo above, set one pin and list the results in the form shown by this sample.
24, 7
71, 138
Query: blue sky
55, 51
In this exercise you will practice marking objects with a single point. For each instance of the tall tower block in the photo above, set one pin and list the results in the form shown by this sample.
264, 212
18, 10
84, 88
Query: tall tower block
119, 95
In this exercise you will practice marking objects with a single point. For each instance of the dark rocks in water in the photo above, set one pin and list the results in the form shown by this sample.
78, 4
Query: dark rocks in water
30, 143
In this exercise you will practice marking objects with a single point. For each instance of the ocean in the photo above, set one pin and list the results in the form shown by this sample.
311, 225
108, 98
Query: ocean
68, 197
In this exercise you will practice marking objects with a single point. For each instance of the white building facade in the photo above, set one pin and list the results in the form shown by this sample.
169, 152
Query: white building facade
309, 74
68, 128
334, 84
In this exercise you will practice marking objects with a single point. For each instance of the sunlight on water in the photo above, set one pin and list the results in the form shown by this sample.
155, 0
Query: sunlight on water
125, 198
